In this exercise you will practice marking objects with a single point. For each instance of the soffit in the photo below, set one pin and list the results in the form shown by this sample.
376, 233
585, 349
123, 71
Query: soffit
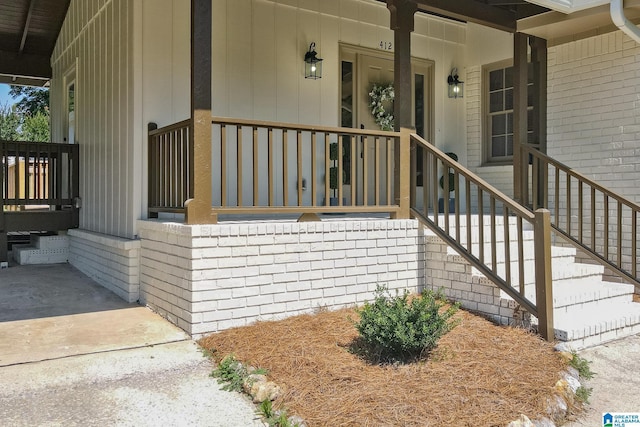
28, 33
557, 27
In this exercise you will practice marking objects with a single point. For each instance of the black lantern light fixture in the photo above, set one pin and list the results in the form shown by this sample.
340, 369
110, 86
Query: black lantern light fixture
456, 87
312, 64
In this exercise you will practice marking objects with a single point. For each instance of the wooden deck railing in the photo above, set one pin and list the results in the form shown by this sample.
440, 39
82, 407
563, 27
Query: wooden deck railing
593, 218
267, 167
263, 167
38, 173
170, 167
500, 244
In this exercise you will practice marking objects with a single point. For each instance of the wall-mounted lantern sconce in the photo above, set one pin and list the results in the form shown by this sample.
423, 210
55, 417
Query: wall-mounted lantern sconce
312, 64
456, 87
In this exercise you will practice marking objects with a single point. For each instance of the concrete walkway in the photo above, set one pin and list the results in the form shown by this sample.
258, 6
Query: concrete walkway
616, 384
72, 353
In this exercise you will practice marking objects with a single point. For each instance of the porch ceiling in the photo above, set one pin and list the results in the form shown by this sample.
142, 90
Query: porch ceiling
500, 14
28, 33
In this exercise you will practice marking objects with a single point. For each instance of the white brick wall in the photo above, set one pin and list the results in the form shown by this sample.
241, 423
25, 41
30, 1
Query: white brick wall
594, 112
112, 262
594, 125
207, 278
450, 273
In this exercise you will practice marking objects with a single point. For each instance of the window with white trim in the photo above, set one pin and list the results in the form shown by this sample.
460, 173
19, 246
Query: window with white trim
498, 112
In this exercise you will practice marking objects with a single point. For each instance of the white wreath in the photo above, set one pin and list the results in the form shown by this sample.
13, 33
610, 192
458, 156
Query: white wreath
378, 95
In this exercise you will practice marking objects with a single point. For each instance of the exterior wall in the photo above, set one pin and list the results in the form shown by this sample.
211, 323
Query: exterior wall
258, 72
96, 43
500, 176
594, 113
213, 277
112, 262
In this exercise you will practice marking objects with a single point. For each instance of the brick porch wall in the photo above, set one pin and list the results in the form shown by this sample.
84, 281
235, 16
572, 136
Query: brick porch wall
207, 278
111, 261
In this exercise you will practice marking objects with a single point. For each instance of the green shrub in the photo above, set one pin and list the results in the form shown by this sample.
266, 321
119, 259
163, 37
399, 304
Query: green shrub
231, 373
582, 366
396, 328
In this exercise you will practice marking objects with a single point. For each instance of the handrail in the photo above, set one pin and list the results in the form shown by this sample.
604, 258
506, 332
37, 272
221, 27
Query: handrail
610, 217
509, 271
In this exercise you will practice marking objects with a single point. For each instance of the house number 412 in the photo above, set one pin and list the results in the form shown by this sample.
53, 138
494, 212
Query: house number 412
386, 45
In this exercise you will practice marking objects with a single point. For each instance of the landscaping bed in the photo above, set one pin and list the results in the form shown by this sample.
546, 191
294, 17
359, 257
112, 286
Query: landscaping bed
479, 374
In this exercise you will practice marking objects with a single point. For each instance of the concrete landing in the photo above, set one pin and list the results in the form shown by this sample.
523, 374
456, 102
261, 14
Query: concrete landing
54, 311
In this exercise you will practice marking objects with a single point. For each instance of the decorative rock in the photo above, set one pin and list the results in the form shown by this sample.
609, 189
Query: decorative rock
523, 421
562, 347
544, 422
251, 380
573, 372
295, 420
261, 391
557, 408
573, 383
566, 356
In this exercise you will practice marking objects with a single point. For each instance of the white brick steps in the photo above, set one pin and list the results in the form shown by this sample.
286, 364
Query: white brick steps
587, 310
568, 296
42, 249
584, 327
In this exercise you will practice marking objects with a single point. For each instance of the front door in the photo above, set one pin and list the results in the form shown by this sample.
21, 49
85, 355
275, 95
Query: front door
361, 69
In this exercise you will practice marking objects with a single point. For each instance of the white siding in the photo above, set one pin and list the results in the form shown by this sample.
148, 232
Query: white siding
96, 39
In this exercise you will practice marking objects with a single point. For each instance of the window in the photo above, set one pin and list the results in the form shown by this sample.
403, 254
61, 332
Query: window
498, 94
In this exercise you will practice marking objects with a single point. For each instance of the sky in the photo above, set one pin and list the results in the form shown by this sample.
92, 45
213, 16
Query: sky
4, 95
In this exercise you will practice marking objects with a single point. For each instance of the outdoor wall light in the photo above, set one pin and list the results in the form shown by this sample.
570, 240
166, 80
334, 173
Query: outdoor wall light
456, 87
312, 64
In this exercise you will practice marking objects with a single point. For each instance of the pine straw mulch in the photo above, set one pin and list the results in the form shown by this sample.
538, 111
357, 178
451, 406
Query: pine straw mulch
479, 375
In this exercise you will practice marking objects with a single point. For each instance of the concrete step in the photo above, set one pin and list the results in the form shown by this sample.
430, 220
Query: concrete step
570, 298
40, 241
27, 254
587, 327
42, 249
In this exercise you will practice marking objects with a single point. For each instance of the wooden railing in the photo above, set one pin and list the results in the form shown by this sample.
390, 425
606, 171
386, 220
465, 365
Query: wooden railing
511, 245
267, 167
170, 167
263, 167
38, 173
593, 218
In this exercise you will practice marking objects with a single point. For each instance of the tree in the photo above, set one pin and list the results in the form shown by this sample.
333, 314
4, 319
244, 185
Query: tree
36, 128
9, 123
34, 99
31, 113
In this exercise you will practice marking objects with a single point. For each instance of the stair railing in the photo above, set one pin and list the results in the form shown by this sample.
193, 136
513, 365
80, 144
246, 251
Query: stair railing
590, 216
477, 198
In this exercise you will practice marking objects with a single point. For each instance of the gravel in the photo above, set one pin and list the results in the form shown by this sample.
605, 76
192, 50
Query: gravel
167, 384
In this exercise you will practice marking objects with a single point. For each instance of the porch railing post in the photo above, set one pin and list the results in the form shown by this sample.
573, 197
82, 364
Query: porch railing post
520, 135
199, 210
543, 279
403, 175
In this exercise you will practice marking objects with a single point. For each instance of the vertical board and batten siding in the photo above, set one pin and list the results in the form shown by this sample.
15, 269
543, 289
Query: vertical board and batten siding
258, 70
96, 40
